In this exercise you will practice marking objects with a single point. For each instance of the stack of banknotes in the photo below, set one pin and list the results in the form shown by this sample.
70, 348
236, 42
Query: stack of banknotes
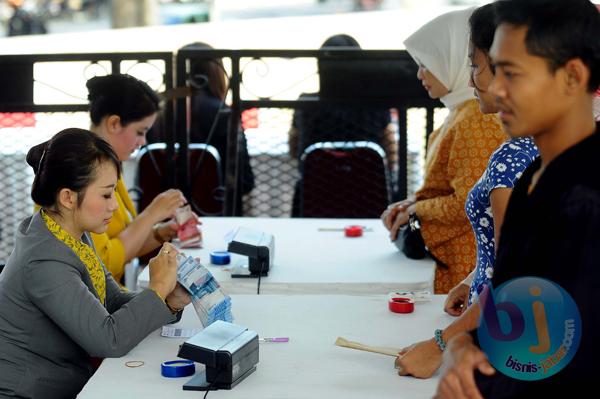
210, 302
188, 233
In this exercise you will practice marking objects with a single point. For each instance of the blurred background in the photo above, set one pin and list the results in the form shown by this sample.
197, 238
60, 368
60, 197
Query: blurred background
22, 17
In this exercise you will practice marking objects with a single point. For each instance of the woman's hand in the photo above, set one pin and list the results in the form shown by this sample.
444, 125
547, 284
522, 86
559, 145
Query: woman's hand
389, 215
420, 360
402, 219
179, 298
165, 231
163, 270
396, 216
163, 206
457, 300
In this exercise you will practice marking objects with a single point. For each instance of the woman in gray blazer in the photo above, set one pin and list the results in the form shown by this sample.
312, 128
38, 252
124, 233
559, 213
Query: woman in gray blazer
59, 308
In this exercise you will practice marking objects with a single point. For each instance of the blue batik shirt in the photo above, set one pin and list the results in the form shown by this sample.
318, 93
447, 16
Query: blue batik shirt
505, 167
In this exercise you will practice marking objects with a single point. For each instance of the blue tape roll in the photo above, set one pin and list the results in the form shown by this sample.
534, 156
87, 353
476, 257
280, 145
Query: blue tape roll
177, 368
220, 258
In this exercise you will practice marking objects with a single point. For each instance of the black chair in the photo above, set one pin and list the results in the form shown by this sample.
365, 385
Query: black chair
207, 191
344, 180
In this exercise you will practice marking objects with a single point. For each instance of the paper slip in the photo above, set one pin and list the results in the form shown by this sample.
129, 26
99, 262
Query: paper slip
175, 332
416, 296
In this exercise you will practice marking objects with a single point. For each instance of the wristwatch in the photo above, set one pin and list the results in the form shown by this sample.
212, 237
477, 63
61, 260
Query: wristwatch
413, 221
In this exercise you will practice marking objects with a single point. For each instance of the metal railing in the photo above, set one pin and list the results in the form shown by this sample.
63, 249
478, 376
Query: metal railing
409, 96
43, 94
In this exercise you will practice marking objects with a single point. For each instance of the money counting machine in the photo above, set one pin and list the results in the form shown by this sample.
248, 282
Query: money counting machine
258, 246
229, 352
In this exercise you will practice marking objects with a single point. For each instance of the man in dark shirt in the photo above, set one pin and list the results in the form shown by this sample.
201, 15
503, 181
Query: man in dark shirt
547, 59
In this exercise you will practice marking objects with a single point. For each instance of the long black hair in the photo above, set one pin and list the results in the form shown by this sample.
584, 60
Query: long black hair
482, 24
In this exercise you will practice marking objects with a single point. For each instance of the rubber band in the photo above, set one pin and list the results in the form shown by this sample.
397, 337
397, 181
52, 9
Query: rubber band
134, 363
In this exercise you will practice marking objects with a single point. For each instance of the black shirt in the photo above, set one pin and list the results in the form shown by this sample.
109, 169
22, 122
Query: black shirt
554, 233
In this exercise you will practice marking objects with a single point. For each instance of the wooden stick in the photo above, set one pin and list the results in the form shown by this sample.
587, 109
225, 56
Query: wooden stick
355, 345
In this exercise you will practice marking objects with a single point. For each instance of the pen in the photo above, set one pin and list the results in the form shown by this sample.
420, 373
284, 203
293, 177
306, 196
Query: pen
279, 339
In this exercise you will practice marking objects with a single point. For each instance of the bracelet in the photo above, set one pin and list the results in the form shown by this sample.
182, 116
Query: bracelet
173, 310
439, 340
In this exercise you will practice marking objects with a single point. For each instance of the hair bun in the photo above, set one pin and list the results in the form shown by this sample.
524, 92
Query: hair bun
34, 156
102, 85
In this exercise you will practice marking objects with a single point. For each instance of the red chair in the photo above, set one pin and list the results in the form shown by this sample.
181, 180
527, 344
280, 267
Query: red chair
344, 180
207, 191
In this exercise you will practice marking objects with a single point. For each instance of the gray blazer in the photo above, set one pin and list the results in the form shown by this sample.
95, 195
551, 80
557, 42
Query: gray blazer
51, 320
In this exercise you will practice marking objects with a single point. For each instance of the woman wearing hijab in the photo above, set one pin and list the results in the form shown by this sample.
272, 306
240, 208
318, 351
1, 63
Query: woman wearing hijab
457, 154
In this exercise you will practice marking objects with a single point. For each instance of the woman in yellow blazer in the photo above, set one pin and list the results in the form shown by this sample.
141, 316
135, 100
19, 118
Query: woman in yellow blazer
458, 151
122, 110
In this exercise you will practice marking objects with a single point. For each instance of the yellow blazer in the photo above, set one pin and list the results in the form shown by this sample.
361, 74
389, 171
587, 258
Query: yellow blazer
457, 156
109, 247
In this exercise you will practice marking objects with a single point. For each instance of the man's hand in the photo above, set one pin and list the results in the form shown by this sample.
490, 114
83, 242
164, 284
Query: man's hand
461, 359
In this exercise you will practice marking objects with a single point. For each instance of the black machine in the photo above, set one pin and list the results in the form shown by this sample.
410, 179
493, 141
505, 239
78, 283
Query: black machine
229, 352
258, 246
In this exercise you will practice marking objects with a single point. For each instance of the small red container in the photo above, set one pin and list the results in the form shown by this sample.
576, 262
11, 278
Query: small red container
353, 231
401, 305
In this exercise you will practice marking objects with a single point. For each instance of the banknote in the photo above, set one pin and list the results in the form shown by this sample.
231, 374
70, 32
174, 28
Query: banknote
209, 300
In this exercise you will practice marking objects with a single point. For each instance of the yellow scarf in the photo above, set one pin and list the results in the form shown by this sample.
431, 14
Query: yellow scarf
83, 251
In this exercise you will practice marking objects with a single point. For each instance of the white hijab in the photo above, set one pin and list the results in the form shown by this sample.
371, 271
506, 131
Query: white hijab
442, 46
597, 107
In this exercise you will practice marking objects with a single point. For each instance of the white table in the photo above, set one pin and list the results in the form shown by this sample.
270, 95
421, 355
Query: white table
309, 366
309, 261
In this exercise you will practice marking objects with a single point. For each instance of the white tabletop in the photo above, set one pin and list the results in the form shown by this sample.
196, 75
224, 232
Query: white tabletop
309, 366
309, 261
